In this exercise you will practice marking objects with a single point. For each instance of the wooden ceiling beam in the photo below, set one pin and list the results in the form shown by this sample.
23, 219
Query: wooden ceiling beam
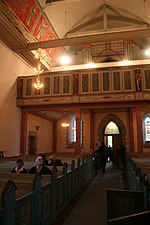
79, 40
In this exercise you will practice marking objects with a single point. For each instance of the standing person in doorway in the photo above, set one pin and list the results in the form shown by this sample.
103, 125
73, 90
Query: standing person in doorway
103, 155
109, 153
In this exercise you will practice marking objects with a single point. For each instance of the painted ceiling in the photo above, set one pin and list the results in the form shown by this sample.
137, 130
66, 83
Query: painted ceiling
47, 20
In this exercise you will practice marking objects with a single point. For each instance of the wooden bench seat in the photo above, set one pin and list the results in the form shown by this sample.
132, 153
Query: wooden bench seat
23, 177
23, 182
143, 164
22, 188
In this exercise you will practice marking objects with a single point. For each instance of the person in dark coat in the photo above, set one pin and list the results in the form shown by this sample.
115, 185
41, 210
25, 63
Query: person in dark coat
109, 154
103, 155
19, 167
40, 167
121, 155
45, 160
55, 161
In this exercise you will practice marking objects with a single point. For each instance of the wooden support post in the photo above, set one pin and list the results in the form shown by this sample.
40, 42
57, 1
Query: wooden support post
79, 175
131, 130
139, 130
8, 203
54, 194
37, 200
65, 180
54, 149
73, 177
92, 130
23, 138
78, 144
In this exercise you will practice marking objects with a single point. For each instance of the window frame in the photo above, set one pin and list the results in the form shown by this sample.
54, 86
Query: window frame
146, 143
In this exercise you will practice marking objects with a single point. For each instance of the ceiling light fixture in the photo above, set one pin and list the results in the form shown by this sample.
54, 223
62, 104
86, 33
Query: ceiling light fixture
38, 84
125, 62
90, 65
65, 124
65, 60
147, 52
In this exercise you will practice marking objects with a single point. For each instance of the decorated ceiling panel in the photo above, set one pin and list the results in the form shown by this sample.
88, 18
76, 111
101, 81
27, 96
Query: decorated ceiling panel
35, 21
50, 114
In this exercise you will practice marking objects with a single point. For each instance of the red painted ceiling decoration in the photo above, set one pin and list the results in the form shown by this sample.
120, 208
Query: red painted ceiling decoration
34, 19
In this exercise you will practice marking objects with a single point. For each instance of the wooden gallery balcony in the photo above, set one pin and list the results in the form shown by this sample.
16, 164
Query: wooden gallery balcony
88, 86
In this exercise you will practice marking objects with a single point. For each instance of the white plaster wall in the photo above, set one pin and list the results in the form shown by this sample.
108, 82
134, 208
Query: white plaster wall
11, 66
44, 133
62, 134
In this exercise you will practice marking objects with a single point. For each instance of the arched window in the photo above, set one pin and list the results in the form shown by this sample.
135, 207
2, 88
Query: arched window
146, 130
72, 133
111, 128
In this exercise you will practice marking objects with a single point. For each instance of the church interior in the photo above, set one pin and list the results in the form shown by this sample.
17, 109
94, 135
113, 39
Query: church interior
75, 73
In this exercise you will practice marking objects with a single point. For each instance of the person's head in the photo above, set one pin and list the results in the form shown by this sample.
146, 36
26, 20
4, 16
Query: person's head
39, 160
19, 163
53, 158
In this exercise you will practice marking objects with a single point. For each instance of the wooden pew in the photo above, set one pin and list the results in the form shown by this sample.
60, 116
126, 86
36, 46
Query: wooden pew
138, 219
23, 182
23, 189
24, 178
145, 167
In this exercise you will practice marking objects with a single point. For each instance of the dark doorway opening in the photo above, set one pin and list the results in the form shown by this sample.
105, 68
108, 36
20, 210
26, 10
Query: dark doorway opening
32, 143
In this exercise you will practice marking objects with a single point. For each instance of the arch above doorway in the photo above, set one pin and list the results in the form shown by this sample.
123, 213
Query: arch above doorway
117, 138
111, 128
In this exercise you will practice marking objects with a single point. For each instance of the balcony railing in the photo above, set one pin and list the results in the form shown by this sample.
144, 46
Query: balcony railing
100, 85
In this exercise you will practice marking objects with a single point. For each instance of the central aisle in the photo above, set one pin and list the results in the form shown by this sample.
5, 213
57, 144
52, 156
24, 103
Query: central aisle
91, 209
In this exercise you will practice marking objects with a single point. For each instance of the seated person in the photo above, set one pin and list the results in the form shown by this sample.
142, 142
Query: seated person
19, 167
39, 167
45, 160
55, 162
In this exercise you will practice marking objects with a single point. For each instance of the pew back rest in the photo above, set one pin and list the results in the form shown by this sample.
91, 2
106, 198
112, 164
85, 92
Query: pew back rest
23, 188
23, 182
24, 178
138, 219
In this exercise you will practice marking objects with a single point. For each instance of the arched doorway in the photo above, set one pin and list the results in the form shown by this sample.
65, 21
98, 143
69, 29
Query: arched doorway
112, 130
